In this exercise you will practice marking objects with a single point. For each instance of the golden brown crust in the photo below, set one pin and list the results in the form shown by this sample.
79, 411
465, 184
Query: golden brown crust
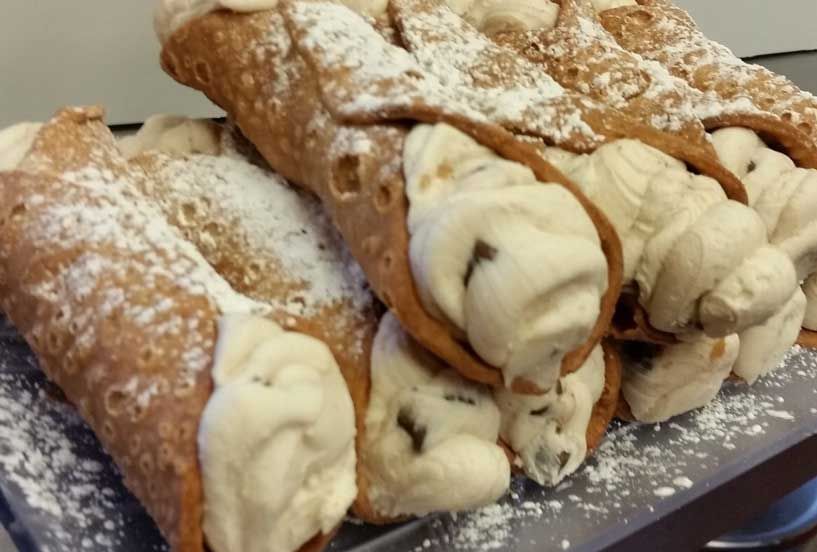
362, 190
710, 67
631, 323
807, 338
92, 348
577, 56
605, 409
607, 123
156, 451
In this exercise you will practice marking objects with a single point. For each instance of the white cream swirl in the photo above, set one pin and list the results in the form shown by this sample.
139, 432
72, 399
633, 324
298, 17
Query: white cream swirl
700, 260
173, 135
495, 16
549, 432
431, 437
514, 264
15, 141
763, 347
661, 382
784, 195
171, 15
276, 441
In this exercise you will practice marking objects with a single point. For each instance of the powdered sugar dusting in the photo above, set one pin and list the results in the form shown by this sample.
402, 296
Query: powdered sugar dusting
672, 38
281, 241
363, 75
603, 70
504, 87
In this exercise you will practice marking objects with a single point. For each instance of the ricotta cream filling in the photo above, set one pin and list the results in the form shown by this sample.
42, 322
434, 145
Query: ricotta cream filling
784, 195
548, 432
173, 135
15, 141
276, 441
701, 261
513, 264
431, 437
661, 382
763, 347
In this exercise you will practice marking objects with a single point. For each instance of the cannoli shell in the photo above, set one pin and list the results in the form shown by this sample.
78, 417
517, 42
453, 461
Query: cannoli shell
807, 338
605, 409
578, 51
432, 32
155, 442
298, 108
103, 358
346, 329
650, 28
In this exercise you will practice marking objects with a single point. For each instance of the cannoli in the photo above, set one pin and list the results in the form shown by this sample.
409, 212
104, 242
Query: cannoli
550, 435
660, 31
410, 456
447, 419
480, 277
192, 389
679, 230
276, 245
581, 55
775, 159
568, 40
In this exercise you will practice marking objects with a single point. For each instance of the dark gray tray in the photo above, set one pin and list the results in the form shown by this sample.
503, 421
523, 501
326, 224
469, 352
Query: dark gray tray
672, 486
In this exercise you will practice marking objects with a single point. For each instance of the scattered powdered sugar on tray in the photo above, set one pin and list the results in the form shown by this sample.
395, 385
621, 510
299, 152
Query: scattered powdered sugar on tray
66, 492
637, 468
64, 498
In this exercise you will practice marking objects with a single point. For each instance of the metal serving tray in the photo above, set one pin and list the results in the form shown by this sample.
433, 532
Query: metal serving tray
671, 486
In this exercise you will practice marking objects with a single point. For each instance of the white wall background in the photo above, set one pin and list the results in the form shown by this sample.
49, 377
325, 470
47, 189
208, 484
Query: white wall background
59, 52
755, 27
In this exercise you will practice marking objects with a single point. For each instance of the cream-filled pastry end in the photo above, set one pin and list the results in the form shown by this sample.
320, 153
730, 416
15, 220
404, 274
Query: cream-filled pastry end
548, 432
700, 260
495, 16
784, 195
515, 265
763, 347
173, 135
431, 437
276, 441
660, 382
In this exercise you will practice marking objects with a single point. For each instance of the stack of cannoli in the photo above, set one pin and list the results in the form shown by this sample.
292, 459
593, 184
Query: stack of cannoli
436, 243
567, 41
644, 26
374, 422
